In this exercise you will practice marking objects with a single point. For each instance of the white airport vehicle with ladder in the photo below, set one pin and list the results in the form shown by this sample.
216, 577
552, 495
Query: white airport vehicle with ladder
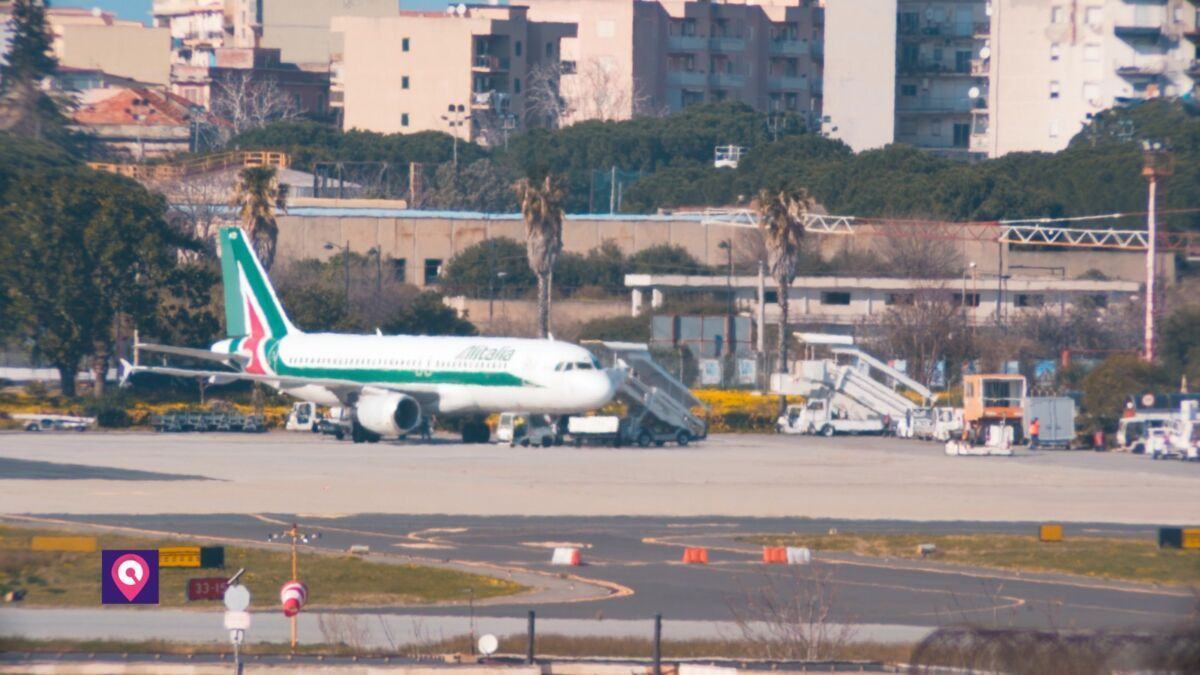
659, 405
858, 385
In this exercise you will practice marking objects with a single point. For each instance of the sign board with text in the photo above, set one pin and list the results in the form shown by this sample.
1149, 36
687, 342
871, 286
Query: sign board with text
179, 556
206, 588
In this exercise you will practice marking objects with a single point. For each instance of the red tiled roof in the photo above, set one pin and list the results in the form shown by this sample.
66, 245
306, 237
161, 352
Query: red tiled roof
136, 106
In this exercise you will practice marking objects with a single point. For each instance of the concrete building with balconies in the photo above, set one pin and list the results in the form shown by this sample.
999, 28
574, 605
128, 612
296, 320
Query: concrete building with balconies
465, 72
666, 55
940, 91
1052, 65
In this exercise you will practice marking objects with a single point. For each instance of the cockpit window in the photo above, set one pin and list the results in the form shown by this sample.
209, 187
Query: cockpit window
583, 365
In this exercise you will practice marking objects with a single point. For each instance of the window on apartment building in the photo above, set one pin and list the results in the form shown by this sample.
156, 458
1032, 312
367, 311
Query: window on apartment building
400, 270
404, 44
841, 298
910, 22
404, 82
1054, 130
962, 61
1030, 300
937, 55
687, 27
962, 135
789, 101
516, 85
549, 49
966, 300
908, 90
1055, 51
770, 297
689, 97
517, 48
898, 299
403, 119
1056, 14
433, 270
935, 128
1054, 88
1100, 301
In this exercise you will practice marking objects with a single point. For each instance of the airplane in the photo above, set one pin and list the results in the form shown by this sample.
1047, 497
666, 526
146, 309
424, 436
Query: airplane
390, 382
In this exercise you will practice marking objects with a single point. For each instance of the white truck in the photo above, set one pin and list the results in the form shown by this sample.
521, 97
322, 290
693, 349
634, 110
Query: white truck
520, 428
817, 417
1183, 435
947, 424
615, 431
1133, 432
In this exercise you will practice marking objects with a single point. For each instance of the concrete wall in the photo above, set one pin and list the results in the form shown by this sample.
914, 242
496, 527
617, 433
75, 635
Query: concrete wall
419, 236
860, 71
136, 52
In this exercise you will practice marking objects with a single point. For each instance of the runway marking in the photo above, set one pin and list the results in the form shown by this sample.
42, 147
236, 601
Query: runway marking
555, 544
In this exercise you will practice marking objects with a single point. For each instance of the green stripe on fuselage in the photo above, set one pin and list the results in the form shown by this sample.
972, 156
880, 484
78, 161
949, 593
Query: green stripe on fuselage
398, 376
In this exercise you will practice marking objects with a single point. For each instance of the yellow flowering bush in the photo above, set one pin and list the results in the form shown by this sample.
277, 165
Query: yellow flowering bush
740, 411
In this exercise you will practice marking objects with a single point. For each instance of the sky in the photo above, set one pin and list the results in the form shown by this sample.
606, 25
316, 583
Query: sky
140, 9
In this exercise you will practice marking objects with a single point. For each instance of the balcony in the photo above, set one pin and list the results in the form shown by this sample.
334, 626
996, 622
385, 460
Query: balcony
947, 32
687, 43
492, 101
726, 80
787, 47
817, 51
1139, 33
1142, 71
187, 74
791, 82
980, 68
934, 69
935, 105
726, 44
686, 78
489, 63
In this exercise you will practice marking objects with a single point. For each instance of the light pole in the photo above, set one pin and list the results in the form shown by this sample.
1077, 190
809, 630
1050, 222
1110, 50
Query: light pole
378, 253
330, 246
727, 246
455, 117
1157, 164
492, 291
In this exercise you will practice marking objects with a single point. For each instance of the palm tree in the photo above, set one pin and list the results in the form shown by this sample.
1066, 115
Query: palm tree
781, 218
257, 194
541, 205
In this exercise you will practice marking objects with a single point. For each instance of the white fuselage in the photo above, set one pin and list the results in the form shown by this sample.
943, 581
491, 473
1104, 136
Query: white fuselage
458, 374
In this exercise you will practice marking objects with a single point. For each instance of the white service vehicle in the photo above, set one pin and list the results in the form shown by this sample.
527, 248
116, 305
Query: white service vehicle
1158, 444
947, 423
1183, 435
519, 428
45, 422
305, 416
818, 417
1134, 431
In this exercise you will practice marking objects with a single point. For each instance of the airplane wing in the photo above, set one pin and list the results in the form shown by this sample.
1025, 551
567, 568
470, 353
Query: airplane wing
203, 354
343, 389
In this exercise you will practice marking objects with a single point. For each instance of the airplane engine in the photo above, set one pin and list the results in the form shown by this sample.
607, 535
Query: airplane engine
388, 414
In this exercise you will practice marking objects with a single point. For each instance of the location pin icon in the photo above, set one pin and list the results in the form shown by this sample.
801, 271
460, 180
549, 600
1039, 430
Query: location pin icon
130, 573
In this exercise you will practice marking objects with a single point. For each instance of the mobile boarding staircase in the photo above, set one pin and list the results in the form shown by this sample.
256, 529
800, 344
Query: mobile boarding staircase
855, 381
649, 389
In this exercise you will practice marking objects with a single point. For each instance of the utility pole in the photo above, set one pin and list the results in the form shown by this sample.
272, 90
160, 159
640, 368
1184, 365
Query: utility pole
1157, 164
612, 191
727, 245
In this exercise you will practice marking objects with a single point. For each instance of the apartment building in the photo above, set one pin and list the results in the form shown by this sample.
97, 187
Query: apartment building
91, 39
940, 86
860, 83
982, 78
465, 71
665, 55
1054, 64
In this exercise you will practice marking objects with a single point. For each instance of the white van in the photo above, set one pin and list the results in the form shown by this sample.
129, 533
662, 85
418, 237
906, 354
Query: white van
519, 428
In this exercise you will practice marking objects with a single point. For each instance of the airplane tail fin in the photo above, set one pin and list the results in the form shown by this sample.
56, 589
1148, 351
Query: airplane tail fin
251, 307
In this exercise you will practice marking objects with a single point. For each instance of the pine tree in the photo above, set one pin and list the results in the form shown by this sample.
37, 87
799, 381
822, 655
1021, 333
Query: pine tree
30, 58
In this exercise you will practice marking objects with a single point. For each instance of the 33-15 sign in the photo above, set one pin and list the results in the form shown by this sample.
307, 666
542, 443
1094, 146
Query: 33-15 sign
206, 588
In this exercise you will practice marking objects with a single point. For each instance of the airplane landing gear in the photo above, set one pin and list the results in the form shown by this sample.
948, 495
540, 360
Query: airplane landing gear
359, 434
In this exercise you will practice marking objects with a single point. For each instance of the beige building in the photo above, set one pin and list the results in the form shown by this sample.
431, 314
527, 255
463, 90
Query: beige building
860, 72
94, 40
631, 56
404, 73
1054, 64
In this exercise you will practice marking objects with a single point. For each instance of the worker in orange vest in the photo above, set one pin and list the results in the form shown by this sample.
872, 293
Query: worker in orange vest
1035, 428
